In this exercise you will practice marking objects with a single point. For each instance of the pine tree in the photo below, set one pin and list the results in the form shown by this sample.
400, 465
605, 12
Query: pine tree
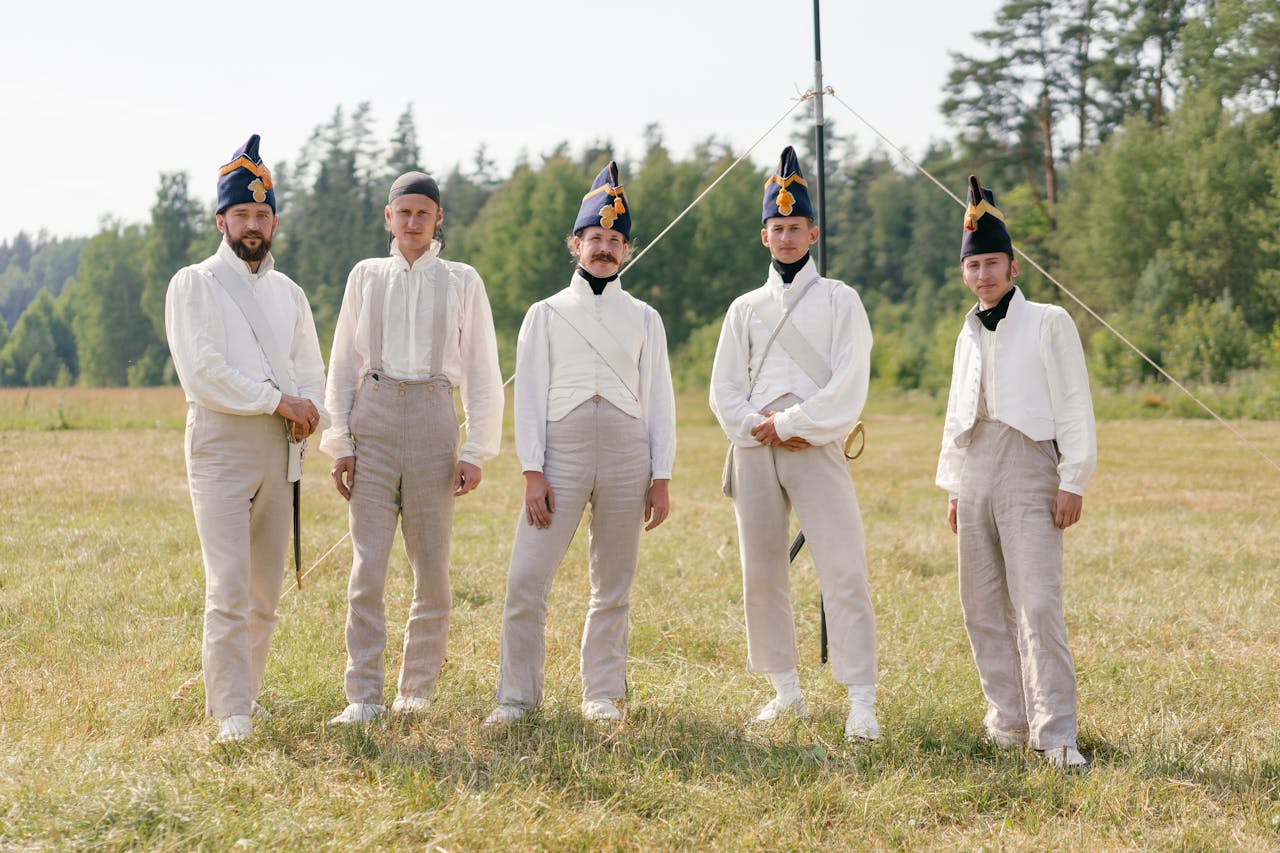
1019, 94
404, 155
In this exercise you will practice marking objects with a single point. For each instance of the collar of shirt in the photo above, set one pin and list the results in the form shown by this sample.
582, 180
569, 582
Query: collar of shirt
229, 255
582, 288
807, 273
402, 263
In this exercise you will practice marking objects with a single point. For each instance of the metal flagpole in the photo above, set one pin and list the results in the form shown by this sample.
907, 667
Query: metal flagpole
819, 128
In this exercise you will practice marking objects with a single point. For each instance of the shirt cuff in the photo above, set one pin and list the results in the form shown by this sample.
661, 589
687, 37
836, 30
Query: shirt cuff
337, 446
783, 427
275, 396
750, 422
1073, 488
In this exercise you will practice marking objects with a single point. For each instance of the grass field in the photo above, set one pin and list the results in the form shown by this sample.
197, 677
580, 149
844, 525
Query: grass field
1173, 593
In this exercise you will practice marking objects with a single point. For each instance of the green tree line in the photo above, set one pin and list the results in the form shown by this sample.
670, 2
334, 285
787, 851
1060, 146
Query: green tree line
1132, 144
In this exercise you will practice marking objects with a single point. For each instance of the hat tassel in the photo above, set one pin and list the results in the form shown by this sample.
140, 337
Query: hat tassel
785, 202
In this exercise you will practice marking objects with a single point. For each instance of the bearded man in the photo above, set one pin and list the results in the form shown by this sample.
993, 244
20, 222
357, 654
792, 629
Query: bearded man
245, 350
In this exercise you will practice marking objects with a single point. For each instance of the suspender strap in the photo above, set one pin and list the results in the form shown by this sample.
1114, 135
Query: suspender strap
598, 337
439, 285
440, 312
788, 336
377, 288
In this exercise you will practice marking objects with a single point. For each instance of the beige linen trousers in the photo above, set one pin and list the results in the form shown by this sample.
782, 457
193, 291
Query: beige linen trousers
767, 483
599, 455
1011, 584
406, 439
243, 503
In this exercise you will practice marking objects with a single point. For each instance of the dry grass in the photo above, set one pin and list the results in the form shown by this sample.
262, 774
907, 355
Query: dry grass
90, 408
1172, 595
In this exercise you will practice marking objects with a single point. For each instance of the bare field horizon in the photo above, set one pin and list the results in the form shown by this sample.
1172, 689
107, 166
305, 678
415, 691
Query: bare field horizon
1172, 590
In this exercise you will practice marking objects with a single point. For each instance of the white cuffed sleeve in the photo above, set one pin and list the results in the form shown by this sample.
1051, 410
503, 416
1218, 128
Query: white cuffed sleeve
481, 386
951, 458
731, 377
533, 379
197, 338
657, 397
304, 356
346, 365
1063, 358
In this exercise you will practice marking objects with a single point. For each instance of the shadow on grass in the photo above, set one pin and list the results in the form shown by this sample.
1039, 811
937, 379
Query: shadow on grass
560, 749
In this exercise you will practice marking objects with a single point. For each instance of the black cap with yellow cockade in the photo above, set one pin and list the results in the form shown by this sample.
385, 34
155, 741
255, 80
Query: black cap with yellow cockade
984, 229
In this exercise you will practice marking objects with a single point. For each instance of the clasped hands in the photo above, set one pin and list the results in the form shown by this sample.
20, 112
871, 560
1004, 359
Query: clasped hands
767, 434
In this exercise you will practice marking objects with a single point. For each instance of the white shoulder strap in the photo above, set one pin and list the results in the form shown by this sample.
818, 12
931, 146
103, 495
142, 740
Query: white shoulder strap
598, 337
788, 336
240, 295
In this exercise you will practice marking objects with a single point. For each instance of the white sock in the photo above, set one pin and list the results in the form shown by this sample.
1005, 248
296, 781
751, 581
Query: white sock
787, 684
862, 694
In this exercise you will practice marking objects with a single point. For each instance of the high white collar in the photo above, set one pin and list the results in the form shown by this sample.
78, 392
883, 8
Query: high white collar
401, 262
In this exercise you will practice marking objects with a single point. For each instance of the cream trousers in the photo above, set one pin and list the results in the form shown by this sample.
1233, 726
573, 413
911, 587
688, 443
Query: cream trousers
1011, 585
767, 483
406, 439
598, 455
243, 507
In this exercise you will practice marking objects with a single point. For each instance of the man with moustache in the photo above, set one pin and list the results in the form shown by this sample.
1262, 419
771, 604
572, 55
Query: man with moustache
1018, 449
595, 423
245, 350
413, 327
788, 384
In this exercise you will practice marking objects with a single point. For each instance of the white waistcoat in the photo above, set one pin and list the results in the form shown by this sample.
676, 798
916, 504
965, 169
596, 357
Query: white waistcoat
1021, 386
578, 372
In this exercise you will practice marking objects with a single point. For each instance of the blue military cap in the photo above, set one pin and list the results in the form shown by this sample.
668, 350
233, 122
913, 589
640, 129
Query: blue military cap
246, 178
984, 229
786, 193
606, 204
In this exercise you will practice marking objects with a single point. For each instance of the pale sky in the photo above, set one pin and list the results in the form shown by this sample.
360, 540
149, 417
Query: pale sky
99, 98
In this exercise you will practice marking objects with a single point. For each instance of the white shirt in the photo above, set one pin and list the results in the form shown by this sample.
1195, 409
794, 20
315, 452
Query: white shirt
218, 359
557, 370
987, 405
470, 357
831, 318
1030, 374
